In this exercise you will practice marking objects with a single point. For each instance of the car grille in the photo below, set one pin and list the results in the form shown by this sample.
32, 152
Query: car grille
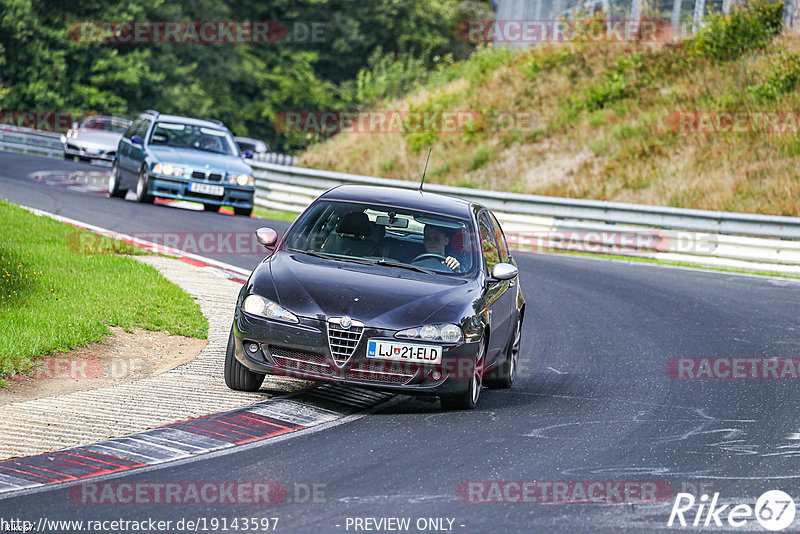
343, 341
211, 177
380, 372
298, 360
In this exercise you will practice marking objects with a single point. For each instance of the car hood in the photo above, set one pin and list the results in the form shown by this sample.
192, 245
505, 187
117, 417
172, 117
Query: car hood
198, 159
95, 138
381, 297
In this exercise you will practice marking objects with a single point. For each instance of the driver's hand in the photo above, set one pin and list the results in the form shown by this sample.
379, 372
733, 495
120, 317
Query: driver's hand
453, 263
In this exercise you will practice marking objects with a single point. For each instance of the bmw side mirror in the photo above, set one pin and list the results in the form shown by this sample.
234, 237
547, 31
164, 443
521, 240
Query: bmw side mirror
75, 125
504, 271
247, 154
136, 140
267, 237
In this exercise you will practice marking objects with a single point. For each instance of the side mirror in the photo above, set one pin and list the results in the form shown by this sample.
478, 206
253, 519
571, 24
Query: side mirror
504, 271
136, 140
247, 154
267, 237
75, 125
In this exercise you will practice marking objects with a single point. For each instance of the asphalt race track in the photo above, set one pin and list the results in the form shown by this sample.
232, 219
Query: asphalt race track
593, 402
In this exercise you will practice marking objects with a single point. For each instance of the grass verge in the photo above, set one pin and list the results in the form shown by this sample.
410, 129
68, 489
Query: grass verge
61, 287
275, 215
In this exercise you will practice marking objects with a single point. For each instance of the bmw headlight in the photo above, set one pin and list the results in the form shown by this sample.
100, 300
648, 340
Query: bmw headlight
241, 179
167, 169
257, 305
448, 333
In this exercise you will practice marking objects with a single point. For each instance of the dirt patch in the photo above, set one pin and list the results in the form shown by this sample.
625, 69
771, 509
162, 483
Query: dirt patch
121, 357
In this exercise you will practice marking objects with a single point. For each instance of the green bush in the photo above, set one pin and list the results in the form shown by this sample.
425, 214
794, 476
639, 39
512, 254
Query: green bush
784, 78
745, 28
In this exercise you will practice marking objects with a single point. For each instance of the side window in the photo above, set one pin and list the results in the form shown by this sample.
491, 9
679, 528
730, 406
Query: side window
488, 243
131, 131
501, 240
141, 131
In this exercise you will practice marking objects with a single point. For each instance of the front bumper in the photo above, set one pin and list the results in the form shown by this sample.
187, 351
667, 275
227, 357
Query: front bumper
178, 188
302, 351
79, 151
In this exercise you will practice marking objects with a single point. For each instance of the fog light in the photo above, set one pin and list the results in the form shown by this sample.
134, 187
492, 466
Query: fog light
252, 347
436, 375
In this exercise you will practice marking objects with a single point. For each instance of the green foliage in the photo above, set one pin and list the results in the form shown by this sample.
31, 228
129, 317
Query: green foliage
481, 158
387, 45
749, 27
784, 78
615, 85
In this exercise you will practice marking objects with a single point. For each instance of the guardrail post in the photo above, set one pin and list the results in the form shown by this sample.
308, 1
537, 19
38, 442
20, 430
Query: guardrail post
699, 8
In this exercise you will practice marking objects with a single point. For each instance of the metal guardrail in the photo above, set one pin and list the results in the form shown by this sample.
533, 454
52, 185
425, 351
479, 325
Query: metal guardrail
30, 141
293, 188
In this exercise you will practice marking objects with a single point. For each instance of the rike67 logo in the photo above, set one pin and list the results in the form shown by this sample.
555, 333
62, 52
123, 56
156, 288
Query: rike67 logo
774, 510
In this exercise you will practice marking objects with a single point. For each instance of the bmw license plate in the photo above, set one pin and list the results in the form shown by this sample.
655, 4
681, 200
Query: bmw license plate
404, 352
207, 189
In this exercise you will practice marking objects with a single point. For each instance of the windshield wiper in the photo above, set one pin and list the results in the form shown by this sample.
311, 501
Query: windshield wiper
402, 266
330, 256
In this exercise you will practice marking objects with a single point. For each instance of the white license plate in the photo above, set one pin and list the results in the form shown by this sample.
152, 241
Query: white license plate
207, 189
404, 352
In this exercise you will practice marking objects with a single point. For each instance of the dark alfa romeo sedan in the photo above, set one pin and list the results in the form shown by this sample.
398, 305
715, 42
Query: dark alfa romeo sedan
391, 289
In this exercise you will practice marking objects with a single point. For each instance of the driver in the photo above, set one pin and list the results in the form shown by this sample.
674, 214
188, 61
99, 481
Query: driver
435, 240
208, 143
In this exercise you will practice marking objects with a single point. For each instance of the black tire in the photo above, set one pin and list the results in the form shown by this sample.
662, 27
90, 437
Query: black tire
237, 376
141, 187
210, 207
113, 183
243, 211
503, 376
469, 398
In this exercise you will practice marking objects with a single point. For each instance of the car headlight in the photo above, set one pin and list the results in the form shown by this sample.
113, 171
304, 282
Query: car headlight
168, 169
448, 333
241, 179
257, 305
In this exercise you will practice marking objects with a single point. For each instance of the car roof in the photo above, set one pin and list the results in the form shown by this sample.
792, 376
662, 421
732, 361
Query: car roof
401, 198
109, 118
188, 120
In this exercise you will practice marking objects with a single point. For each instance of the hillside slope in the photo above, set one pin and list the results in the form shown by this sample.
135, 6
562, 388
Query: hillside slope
610, 121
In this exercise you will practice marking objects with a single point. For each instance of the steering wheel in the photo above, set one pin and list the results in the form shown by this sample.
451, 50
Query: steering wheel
429, 255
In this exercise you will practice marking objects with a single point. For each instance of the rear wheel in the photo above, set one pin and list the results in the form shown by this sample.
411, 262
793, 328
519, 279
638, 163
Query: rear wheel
113, 183
243, 211
237, 376
469, 398
506, 373
141, 187
210, 207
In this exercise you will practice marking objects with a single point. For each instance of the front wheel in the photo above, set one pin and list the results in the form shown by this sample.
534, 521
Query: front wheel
113, 183
237, 376
141, 187
469, 398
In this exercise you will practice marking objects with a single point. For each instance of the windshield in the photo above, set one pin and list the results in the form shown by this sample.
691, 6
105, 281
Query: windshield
387, 235
195, 137
106, 124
